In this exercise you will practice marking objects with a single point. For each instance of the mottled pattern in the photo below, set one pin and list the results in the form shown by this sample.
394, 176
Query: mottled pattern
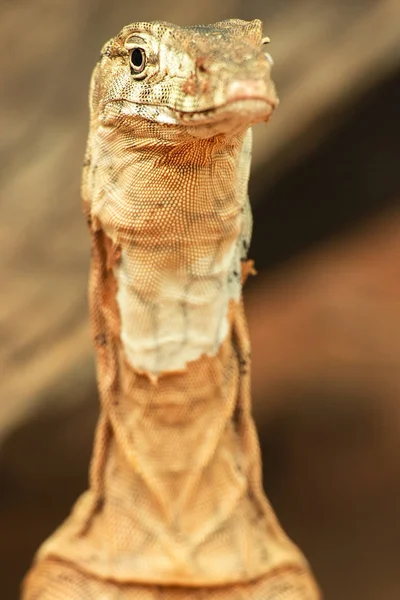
175, 507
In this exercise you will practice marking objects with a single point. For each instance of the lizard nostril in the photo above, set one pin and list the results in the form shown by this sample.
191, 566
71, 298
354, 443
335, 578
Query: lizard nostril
201, 65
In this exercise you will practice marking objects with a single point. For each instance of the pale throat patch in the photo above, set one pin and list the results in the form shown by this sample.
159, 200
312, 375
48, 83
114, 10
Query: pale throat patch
188, 315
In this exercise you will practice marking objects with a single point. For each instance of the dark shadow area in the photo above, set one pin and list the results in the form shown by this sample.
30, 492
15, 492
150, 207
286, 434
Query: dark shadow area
351, 177
38, 491
328, 474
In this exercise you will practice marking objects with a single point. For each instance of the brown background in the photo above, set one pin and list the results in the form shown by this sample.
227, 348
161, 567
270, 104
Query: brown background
324, 312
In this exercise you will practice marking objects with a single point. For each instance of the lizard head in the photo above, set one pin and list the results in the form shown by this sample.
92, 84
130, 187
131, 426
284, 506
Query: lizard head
201, 81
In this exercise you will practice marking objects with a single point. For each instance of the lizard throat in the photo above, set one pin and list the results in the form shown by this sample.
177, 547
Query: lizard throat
180, 261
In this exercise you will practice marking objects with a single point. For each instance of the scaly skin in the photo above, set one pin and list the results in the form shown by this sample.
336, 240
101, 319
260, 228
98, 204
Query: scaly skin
175, 508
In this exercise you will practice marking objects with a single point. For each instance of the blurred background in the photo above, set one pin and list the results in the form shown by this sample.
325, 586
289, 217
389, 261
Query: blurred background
324, 311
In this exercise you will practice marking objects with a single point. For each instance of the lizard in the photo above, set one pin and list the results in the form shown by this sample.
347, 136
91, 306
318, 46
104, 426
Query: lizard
175, 508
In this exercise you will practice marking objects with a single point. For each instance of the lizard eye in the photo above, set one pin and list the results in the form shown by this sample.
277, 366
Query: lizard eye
137, 61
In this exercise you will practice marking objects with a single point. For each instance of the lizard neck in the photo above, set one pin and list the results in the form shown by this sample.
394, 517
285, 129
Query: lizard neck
180, 215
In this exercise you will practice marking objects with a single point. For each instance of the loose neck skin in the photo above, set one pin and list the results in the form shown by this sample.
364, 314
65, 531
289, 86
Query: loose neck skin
179, 214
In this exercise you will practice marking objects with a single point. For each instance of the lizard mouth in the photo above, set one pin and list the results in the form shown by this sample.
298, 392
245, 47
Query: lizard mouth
231, 116
244, 109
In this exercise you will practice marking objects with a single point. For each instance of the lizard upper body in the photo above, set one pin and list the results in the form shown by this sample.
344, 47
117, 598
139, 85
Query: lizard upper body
170, 153
175, 496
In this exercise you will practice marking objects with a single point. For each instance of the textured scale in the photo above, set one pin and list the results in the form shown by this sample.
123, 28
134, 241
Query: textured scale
175, 508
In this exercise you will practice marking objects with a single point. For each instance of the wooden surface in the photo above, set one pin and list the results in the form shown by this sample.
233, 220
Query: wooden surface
324, 313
